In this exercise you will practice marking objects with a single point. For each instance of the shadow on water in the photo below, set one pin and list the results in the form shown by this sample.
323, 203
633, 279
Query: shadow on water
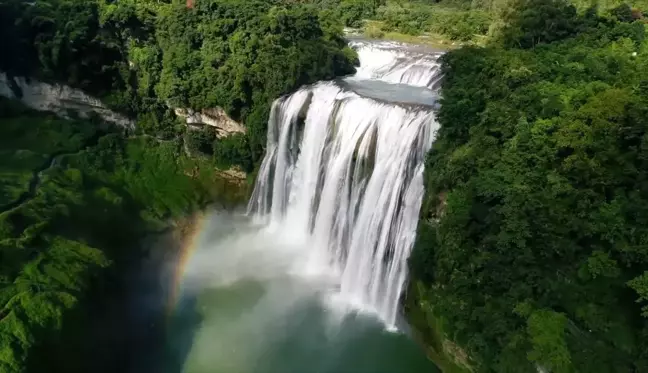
182, 326
191, 314
124, 326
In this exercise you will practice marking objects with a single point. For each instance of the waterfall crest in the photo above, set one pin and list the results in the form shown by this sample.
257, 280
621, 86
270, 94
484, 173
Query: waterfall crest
345, 171
395, 63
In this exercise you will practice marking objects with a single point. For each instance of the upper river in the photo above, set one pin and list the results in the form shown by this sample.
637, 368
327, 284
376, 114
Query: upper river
309, 278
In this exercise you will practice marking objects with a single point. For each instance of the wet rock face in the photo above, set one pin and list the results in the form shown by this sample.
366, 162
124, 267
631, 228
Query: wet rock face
58, 98
214, 117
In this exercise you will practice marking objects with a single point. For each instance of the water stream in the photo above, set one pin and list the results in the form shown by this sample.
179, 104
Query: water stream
309, 279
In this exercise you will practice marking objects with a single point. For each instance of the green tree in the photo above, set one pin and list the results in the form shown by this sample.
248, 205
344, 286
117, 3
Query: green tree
531, 22
536, 195
640, 285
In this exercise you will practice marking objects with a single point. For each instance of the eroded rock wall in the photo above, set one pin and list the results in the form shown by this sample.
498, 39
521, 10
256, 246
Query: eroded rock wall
58, 98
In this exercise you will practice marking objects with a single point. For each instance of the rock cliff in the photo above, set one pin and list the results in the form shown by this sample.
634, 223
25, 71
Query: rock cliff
215, 117
58, 98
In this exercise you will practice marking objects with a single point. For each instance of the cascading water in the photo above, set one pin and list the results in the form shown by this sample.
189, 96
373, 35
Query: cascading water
393, 63
344, 169
333, 220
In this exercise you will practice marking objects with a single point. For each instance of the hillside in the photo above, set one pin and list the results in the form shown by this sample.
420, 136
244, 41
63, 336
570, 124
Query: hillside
531, 249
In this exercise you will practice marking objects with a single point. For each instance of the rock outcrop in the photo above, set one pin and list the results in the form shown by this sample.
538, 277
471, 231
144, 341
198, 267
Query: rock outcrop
214, 117
234, 174
58, 98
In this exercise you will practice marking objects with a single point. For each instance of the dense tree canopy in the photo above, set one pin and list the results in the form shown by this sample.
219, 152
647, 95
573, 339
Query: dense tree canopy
248, 54
144, 56
533, 243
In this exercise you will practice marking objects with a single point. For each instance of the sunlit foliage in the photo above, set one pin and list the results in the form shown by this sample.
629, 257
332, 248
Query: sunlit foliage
143, 57
534, 232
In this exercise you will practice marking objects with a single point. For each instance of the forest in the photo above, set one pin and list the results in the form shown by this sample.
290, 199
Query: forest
77, 197
532, 250
145, 58
71, 234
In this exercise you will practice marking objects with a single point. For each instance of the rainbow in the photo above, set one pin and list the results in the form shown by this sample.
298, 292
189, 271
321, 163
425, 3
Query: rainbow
189, 232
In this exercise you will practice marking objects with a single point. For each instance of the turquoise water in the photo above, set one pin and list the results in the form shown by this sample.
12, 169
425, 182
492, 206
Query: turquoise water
249, 313
240, 330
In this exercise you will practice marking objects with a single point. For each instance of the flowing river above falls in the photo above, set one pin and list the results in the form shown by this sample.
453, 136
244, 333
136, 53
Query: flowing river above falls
310, 278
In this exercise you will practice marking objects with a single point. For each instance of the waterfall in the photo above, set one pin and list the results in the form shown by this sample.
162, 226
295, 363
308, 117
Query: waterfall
345, 170
395, 63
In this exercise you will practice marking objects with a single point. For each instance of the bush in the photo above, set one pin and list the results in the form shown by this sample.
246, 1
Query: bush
460, 25
455, 23
409, 20
532, 22
233, 150
623, 13
373, 32
201, 140
353, 12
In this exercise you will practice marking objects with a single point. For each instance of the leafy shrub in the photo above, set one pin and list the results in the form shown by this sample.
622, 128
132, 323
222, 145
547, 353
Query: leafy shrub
233, 150
532, 22
409, 20
416, 19
460, 25
373, 32
623, 13
201, 140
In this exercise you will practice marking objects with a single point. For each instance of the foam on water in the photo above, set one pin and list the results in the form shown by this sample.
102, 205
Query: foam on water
344, 173
397, 63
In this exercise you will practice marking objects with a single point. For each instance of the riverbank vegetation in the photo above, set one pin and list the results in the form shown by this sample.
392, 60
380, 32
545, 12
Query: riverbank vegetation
532, 244
440, 23
447, 24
